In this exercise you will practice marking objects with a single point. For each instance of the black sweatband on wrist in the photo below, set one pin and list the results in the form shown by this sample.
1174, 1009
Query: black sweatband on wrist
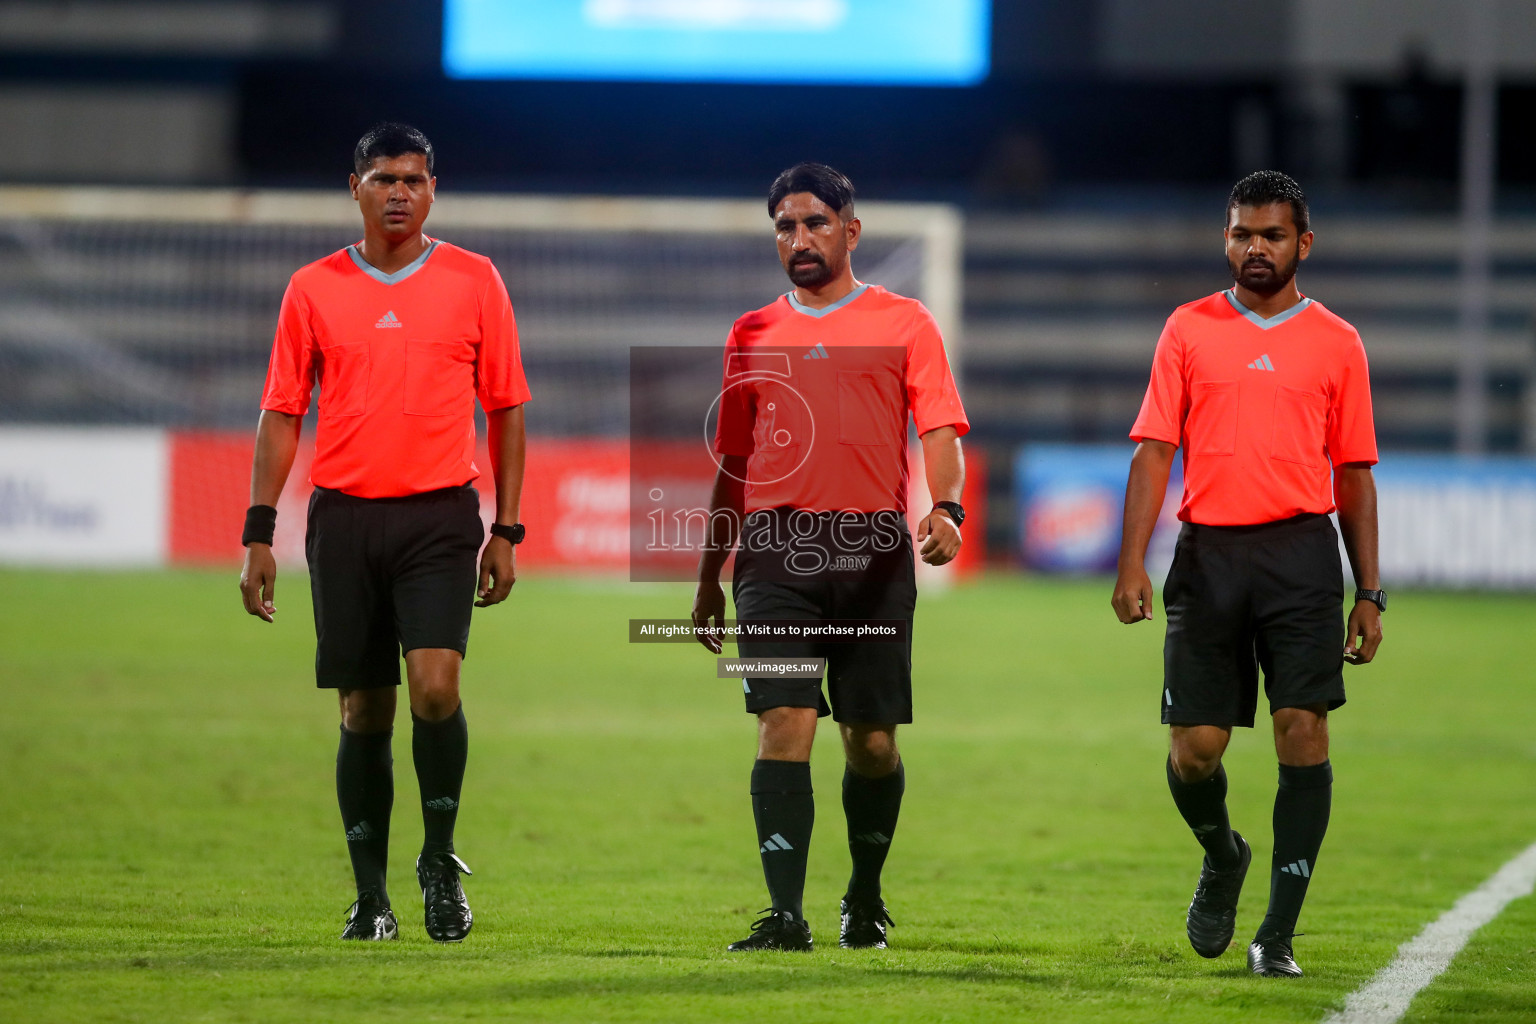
260, 523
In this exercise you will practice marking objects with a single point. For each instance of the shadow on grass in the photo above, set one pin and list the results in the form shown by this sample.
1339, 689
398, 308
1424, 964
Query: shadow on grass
728, 980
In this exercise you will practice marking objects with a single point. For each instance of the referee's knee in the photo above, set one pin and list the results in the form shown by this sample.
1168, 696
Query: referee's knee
1195, 757
435, 705
871, 751
433, 677
367, 711
1190, 767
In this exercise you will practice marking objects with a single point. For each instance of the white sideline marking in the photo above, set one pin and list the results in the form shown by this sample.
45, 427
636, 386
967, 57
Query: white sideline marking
1420, 960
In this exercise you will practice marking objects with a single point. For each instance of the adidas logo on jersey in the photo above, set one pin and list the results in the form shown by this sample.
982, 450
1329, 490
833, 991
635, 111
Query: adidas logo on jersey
388, 320
819, 352
1262, 363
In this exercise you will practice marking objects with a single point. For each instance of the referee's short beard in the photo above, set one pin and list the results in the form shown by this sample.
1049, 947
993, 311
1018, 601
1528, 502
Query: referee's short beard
809, 270
1261, 276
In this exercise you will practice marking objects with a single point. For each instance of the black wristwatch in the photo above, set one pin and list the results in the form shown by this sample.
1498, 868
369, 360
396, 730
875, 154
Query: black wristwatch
514, 533
954, 508
1376, 597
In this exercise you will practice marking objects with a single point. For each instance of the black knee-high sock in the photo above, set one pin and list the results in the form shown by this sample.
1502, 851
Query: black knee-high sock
785, 810
872, 807
1301, 820
1204, 806
365, 791
440, 750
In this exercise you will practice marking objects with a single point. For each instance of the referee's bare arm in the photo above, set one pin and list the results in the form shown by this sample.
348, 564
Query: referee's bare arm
1144, 491
726, 503
507, 434
1354, 493
277, 438
944, 467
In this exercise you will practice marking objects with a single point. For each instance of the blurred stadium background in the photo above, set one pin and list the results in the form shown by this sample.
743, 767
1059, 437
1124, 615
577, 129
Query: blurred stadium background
1060, 169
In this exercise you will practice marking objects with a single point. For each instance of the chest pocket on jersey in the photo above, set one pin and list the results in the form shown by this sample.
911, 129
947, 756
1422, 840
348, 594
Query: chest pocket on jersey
344, 379
1212, 422
1300, 422
869, 411
439, 378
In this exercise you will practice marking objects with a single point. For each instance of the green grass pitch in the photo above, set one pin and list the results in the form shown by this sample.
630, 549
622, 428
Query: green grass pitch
170, 846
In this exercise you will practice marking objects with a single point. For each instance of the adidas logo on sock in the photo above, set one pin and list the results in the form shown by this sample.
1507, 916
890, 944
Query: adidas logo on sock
874, 838
1298, 867
774, 843
819, 352
359, 832
1201, 830
442, 803
1262, 363
388, 320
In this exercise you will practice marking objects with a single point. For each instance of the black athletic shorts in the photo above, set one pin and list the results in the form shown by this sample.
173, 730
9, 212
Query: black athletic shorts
389, 575
1241, 598
805, 580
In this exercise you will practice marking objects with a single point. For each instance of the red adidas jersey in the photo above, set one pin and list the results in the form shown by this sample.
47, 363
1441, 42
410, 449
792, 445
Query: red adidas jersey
818, 400
1263, 409
400, 359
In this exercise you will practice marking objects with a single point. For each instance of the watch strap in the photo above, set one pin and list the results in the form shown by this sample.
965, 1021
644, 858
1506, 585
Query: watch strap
954, 508
1376, 597
514, 533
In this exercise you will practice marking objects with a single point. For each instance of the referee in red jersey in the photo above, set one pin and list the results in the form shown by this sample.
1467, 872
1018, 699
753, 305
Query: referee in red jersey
1268, 394
812, 446
402, 332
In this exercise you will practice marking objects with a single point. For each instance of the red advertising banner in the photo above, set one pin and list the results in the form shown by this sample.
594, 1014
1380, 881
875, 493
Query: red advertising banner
575, 502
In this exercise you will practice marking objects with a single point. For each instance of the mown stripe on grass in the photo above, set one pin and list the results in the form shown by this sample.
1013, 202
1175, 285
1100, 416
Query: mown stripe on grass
1423, 958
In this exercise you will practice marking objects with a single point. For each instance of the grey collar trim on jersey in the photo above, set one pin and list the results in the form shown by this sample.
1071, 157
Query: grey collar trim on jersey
800, 307
1260, 322
399, 275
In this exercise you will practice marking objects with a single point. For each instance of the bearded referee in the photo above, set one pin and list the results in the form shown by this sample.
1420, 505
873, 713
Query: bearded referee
402, 332
1268, 394
812, 445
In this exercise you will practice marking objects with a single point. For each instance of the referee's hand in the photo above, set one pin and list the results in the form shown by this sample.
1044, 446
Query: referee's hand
709, 603
1364, 633
258, 581
498, 571
1133, 596
940, 538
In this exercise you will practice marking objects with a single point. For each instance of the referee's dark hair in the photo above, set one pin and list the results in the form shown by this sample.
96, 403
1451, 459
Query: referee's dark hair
1264, 187
389, 139
830, 186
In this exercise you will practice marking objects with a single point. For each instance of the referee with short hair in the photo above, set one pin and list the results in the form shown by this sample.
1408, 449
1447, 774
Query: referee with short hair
1268, 395
402, 332
817, 392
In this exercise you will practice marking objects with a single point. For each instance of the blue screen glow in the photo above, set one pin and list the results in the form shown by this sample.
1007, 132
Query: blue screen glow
876, 42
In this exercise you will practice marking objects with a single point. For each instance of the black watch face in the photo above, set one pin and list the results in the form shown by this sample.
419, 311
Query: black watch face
955, 511
519, 531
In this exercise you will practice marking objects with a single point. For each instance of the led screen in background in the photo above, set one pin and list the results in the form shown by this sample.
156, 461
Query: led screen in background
878, 42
